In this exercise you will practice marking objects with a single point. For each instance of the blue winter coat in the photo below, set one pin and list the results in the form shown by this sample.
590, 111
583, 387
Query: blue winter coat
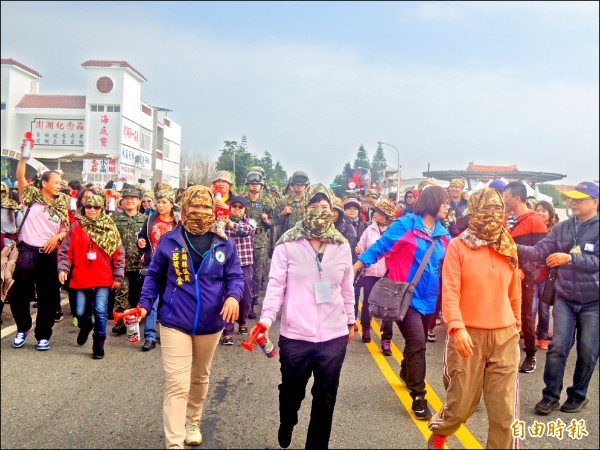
191, 298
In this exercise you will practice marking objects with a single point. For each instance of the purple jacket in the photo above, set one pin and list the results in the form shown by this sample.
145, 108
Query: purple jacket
191, 298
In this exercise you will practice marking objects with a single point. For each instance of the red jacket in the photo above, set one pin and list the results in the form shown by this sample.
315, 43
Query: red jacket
86, 274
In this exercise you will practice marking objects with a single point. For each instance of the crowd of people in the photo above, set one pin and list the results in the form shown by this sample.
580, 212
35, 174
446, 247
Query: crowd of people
194, 261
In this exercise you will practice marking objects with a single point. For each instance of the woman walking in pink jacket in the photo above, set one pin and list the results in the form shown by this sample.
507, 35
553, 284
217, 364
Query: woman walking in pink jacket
311, 278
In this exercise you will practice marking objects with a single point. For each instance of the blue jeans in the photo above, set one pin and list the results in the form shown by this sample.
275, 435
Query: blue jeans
150, 322
543, 309
96, 300
572, 320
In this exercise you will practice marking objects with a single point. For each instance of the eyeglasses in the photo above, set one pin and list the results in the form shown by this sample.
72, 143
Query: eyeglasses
146, 201
95, 208
237, 206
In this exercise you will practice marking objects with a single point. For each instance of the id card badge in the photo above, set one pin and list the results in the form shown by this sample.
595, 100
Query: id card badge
576, 250
91, 256
323, 292
588, 247
54, 218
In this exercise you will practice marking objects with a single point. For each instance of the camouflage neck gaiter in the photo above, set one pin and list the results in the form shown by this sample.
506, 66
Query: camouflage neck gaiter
317, 222
198, 222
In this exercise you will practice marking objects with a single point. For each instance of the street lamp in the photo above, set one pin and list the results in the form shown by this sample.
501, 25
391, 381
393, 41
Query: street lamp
186, 170
399, 175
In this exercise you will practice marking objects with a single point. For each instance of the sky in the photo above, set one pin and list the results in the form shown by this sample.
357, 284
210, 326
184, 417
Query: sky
446, 83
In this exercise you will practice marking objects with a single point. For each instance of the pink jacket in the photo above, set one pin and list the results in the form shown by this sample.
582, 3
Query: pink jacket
368, 238
292, 277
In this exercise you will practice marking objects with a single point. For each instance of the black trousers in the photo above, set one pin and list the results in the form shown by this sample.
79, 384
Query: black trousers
35, 272
299, 360
527, 318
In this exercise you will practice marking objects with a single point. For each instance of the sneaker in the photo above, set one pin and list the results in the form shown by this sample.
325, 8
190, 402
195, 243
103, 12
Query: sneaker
420, 408
59, 316
571, 406
528, 365
545, 406
20, 339
243, 329
386, 348
366, 337
430, 336
227, 340
75, 322
542, 344
34, 305
436, 441
192, 433
119, 328
43, 344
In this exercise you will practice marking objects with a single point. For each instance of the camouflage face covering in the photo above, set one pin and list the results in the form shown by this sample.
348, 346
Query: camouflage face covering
317, 223
59, 204
485, 226
7, 202
101, 230
197, 222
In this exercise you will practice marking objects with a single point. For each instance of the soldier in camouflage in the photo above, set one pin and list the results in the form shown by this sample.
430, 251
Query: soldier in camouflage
129, 223
291, 206
261, 212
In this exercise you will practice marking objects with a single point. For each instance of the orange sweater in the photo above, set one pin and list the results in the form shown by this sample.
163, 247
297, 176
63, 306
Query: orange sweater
479, 289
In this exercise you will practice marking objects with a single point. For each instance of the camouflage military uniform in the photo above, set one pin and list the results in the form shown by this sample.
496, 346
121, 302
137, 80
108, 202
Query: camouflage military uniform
128, 293
262, 238
289, 221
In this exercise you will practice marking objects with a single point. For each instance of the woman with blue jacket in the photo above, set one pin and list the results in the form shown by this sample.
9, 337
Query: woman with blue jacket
406, 242
197, 276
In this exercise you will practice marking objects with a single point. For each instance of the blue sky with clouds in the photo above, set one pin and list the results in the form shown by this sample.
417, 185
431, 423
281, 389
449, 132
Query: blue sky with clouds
446, 82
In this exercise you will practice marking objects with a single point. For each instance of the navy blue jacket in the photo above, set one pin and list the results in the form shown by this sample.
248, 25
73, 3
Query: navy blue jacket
191, 298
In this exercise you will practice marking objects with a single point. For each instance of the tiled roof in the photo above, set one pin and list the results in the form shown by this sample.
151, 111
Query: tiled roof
97, 63
481, 168
52, 101
12, 62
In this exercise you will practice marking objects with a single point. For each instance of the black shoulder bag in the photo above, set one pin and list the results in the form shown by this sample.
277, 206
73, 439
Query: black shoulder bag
390, 299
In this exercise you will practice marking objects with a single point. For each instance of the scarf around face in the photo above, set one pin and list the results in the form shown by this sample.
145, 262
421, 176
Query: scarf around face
59, 204
197, 222
317, 223
7, 202
485, 227
101, 230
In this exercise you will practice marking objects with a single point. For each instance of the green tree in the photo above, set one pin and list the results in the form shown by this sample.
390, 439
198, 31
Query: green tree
362, 159
266, 162
550, 189
342, 180
243, 161
378, 164
279, 178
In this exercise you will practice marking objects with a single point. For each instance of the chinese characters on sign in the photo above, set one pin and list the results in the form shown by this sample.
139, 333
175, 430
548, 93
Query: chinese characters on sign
103, 166
103, 131
556, 429
135, 157
58, 132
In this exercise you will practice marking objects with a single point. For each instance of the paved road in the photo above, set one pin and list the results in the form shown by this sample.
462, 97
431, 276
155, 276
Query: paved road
64, 399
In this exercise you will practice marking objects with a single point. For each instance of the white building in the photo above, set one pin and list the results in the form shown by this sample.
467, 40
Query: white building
105, 133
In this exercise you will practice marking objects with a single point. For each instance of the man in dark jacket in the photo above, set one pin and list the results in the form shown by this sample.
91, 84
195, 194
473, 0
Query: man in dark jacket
572, 246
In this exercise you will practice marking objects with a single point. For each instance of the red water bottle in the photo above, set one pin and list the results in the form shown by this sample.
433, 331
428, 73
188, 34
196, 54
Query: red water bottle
26, 153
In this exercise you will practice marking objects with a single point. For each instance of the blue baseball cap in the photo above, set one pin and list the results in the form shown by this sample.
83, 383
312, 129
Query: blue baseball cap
585, 189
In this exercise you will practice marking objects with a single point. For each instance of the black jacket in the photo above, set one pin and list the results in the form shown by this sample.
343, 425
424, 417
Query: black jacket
577, 282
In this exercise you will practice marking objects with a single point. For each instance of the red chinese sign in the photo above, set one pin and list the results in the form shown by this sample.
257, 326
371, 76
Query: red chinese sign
102, 166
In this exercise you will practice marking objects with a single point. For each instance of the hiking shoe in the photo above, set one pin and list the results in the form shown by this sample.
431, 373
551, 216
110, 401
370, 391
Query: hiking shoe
243, 329
119, 328
572, 406
192, 433
149, 344
436, 441
528, 365
542, 344
43, 345
227, 340
284, 436
20, 339
430, 336
59, 316
366, 337
545, 406
420, 408
386, 348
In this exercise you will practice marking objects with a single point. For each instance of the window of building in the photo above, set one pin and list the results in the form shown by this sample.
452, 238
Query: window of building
146, 141
160, 137
113, 108
167, 149
3, 106
107, 108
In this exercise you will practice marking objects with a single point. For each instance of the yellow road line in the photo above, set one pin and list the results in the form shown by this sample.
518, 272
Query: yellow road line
463, 434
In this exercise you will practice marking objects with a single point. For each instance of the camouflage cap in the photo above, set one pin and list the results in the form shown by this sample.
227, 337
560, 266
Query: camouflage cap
94, 200
148, 194
426, 182
457, 182
387, 208
222, 175
372, 193
169, 194
315, 189
197, 196
338, 204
